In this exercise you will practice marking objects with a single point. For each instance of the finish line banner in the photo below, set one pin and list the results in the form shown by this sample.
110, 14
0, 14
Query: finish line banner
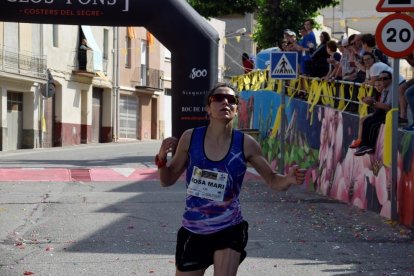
73, 12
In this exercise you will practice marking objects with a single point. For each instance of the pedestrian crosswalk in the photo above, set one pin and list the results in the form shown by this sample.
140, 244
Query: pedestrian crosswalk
82, 174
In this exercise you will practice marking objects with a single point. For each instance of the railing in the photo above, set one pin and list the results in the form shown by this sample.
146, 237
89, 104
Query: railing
22, 63
342, 95
148, 77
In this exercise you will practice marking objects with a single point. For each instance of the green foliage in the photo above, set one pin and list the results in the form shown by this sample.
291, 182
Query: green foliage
273, 16
215, 8
289, 14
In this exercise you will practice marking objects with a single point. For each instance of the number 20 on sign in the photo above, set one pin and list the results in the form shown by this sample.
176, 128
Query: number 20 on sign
395, 35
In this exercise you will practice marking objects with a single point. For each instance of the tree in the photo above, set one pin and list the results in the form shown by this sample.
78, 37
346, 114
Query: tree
273, 16
214, 8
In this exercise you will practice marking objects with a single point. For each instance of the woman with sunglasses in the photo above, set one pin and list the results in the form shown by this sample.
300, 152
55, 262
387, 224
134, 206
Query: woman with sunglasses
214, 157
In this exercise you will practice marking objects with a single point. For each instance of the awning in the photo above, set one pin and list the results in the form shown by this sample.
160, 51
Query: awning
97, 53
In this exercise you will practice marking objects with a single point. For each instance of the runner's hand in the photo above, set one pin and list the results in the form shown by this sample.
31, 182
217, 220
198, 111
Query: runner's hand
168, 145
297, 175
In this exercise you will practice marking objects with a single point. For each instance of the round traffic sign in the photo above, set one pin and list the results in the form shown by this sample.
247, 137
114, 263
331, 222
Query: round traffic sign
395, 35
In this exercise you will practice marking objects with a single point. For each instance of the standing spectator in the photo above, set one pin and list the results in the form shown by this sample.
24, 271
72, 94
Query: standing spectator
372, 123
306, 46
82, 54
320, 65
247, 62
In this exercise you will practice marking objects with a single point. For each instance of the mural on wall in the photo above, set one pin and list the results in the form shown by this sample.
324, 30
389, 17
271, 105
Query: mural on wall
319, 141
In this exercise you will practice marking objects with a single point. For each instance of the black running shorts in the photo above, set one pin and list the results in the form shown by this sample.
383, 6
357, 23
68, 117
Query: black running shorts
195, 251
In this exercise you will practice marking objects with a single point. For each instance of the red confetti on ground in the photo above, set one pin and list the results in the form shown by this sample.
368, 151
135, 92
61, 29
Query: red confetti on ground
28, 273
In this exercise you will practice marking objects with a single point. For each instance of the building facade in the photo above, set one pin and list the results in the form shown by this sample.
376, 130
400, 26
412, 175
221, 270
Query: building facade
54, 93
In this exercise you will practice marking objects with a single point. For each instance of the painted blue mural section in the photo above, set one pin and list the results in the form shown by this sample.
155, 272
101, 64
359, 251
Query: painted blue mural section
263, 107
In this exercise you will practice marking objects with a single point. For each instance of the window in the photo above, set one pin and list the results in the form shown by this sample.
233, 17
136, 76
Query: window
167, 54
144, 62
128, 52
167, 92
105, 53
55, 35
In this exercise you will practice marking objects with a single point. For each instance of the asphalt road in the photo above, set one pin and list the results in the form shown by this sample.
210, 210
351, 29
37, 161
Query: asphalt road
129, 228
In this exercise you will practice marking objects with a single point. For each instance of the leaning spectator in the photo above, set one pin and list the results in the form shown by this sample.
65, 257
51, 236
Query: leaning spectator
369, 45
333, 59
320, 65
372, 124
358, 53
373, 70
352, 70
345, 71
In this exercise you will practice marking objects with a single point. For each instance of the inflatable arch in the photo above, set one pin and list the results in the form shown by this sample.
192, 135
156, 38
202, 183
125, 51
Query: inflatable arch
191, 40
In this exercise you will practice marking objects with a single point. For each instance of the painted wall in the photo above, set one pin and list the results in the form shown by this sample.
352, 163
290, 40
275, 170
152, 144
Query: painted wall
319, 141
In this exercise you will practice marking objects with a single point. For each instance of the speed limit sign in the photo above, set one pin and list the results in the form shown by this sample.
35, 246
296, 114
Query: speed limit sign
395, 35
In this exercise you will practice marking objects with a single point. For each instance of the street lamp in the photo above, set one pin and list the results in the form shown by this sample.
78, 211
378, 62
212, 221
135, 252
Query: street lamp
240, 31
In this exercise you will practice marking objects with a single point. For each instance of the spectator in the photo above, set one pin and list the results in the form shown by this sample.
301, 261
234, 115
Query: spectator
333, 59
357, 52
290, 38
408, 95
320, 65
306, 46
369, 45
372, 123
82, 54
357, 43
357, 142
247, 62
345, 71
353, 62
373, 70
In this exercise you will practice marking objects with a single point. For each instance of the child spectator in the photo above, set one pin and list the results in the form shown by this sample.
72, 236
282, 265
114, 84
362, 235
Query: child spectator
357, 142
333, 59
372, 123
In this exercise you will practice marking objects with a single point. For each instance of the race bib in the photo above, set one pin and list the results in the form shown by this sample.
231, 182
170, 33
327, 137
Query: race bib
207, 184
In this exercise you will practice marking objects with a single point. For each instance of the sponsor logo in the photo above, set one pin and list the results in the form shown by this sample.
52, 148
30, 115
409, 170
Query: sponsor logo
198, 73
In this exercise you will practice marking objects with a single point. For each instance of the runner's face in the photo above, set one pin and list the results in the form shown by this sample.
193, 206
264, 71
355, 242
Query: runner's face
222, 104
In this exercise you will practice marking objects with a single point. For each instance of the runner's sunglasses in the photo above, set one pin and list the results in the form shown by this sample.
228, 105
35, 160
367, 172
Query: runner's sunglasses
231, 99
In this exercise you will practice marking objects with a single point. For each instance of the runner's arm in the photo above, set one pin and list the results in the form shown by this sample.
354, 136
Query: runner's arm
170, 173
276, 181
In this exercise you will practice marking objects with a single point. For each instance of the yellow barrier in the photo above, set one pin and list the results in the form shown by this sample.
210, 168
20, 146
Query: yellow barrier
318, 91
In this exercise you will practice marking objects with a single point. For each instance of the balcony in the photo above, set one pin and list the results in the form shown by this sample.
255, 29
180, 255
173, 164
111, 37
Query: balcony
82, 65
148, 79
22, 63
